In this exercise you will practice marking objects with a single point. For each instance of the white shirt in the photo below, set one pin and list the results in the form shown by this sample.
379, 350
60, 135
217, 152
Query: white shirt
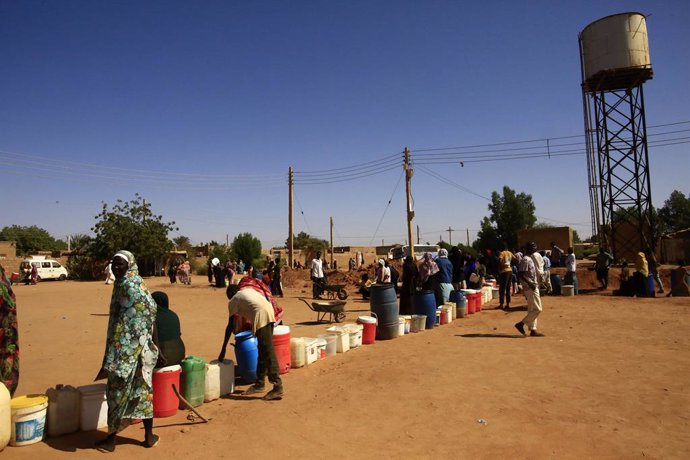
570, 263
538, 264
317, 268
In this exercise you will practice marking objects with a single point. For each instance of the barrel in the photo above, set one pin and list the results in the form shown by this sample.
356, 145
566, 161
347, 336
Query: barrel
425, 304
384, 303
165, 401
281, 344
556, 284
247, 355
193, 381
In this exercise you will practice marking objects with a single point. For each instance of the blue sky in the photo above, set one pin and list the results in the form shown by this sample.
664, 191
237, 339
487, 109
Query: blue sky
202, 107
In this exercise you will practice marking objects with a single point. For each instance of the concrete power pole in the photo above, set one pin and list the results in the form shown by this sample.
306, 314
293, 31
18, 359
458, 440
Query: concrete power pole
418, 235
450, 237
331, 241
410, 212
290, 229
468, 237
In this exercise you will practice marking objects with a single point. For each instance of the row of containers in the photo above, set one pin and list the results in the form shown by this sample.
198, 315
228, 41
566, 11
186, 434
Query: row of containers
25, 420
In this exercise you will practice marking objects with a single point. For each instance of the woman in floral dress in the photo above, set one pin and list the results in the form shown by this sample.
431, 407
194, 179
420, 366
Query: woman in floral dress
9, 338
130, 353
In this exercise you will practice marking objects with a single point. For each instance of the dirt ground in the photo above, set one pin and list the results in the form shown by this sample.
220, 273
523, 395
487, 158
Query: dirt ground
609, 380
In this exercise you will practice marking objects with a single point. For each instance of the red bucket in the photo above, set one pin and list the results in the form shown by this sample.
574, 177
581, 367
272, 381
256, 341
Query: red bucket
281, 344
444, 316
479, 301
165, 400
369, 331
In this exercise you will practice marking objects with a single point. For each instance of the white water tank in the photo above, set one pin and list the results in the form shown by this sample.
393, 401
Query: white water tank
615, 42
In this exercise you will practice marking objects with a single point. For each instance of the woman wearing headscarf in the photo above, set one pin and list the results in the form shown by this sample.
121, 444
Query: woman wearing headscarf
445, 276
641, 276
427, 272
383, 273
410, 275
9, 335
130, 353
168, 330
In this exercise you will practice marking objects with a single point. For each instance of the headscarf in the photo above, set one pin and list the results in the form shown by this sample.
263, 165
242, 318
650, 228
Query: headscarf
131, 261
215, 261
167, 322
252, 283
427, 268
641, 264
443, 253
9, 335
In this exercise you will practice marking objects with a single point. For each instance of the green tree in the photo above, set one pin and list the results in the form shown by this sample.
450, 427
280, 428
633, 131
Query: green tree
246, 247
132, 226
309, 244
81, 264
675, 214
510, 212
31, 239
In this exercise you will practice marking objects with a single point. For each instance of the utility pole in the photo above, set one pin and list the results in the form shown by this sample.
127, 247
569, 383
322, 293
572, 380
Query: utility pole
418, 235
290, 229
410, 212
331, 241
69, 243
450, 238
468, 237
227, 240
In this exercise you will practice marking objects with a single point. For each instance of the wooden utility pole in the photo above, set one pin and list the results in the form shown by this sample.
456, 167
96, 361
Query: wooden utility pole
450, 238
418, 235
331, 241
410, 212
468, 237
290, 229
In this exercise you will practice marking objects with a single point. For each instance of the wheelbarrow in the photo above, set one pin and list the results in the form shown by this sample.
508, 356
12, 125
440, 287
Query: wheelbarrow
334, 308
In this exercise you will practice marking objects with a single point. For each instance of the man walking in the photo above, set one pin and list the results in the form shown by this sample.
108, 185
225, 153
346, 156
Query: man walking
527, 273
505, 277
570, 270
602, 265
317, 275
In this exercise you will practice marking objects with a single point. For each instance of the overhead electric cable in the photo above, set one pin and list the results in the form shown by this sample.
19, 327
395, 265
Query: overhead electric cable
395, 189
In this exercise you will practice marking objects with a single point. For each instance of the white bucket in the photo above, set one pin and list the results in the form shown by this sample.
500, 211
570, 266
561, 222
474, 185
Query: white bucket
331, 345
568, 290
227, 376
401, 326
418, 323
94, 407
28, 419
355, 331
408, 321
494, 293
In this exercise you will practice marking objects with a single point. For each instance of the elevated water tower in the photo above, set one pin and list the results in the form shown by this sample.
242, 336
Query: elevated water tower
614, 59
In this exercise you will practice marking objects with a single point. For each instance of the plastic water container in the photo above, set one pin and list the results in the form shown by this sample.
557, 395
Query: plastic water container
495, 294
311, 350
63, 410
220, 379
281, 344
227, 376
568, 290
247, 355
193, 381
297, 352
401, 326
28, 419
5, 416
321, 347
443, 316
355, 331
331, 344
369, 329
408, 320
165, 401
342, 338
94, 407
418, 323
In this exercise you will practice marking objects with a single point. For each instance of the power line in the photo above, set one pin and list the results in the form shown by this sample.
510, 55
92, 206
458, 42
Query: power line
395, 189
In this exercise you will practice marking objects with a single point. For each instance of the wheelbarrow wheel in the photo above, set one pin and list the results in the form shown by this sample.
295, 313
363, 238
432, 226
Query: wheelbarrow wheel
340, 317
342, 294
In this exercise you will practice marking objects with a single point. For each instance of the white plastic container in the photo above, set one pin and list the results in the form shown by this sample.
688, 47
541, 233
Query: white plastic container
401, 326
63, 410
5, 416
331, 345
29, 415
355, 331
342, 338
321, 347
94, 407
227, 376
408, 323
568, 290
297, 352
212, 382
311, 350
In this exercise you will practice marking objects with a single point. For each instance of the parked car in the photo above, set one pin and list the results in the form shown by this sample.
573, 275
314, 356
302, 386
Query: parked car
47, 268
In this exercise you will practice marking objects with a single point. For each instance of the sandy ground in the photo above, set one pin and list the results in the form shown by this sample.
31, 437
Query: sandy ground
609, 380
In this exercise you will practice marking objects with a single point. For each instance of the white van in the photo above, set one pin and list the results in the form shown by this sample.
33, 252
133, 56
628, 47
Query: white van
48, 269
